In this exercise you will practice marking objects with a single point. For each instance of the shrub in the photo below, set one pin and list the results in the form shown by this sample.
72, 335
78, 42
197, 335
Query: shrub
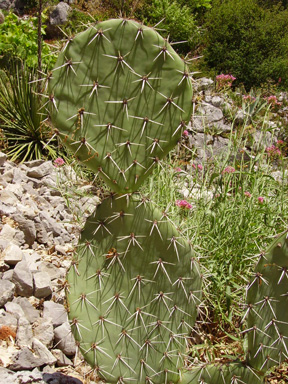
178, 22
249, 41
19, 40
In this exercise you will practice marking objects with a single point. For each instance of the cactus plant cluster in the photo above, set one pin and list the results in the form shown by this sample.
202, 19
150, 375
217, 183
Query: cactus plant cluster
120, 98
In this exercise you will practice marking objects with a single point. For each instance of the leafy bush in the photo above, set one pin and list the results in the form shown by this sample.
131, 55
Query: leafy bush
19, 40
178, 21
26, 136
249, 41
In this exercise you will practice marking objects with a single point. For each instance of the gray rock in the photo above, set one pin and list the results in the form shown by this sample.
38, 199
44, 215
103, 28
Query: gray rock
56, 312
40, 171
62, 360
204, 84
43, 331
7, 289
23, 279
5, 4
12, 254
33, 163
7, 275
27, 227
41, 233
240, 117
16, 189
3, 266
7, 318
7, 233
14, 309
50, 224
217, 101
52, 270
31, 313
42, 285
59, 14
26, 359
24, 333
23, 377
64, 339
3, 156
7, 210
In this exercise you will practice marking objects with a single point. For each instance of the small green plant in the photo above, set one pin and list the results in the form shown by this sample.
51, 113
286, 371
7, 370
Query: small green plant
19, 41
26, 135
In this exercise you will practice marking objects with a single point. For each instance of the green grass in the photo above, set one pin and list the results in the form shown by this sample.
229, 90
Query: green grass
227, 228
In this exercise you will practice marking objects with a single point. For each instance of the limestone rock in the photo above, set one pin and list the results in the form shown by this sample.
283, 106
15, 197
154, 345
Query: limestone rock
23, 279
62, 359
56, 312
31, 313
12, 254
29, 359
43, 331
40, 171
7, 289
24, 333
42, 285
64, 339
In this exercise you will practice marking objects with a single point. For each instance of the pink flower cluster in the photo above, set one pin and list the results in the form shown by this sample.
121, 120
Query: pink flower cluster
224, 81
261, 200
183, 204
247, 194
249, 98
199, 167
273, 151
272, 100
228, 169
59, 162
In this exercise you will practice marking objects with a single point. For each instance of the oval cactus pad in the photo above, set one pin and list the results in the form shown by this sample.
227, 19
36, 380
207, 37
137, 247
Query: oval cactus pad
120, 97
134, 290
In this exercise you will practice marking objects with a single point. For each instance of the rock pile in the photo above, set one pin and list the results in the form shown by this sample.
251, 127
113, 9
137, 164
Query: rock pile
38, 234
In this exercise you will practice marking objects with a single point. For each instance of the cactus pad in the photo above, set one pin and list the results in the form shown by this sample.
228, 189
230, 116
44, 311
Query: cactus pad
267, 303
229, 373
134, 289
120, 97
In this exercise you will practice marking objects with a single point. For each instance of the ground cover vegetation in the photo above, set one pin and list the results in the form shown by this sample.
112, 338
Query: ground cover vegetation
236, 204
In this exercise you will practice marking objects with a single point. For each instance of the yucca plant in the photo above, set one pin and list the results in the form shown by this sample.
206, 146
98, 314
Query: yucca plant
26, 134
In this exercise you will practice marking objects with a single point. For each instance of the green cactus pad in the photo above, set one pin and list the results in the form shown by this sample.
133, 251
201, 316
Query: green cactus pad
229, 373
266, 310
134, 289
120, 98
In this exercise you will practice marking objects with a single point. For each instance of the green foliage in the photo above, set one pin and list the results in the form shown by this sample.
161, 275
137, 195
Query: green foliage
19, 41
247, 41
178, 23
22, 118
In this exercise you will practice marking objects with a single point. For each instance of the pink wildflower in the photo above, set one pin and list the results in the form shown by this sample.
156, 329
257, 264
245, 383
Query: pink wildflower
200, 167
272, 100
273, 151
248, 194
248, 98
185, 133
224, 81
183, 204
280, 142
178, 169
261, 199
228, 169
59, 162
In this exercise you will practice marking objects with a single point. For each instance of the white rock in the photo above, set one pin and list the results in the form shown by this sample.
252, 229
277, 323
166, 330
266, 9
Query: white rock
42, 284
14, 309
7, 289
23, 279
24, 333
64, 339
56, 312
12, 254
43, 331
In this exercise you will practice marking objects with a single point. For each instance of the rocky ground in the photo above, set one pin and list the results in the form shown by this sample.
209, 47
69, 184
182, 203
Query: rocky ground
38, 232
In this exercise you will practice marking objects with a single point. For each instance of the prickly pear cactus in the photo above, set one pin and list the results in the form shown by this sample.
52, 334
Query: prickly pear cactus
267, 303
120, 98
229, 373
135, 286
